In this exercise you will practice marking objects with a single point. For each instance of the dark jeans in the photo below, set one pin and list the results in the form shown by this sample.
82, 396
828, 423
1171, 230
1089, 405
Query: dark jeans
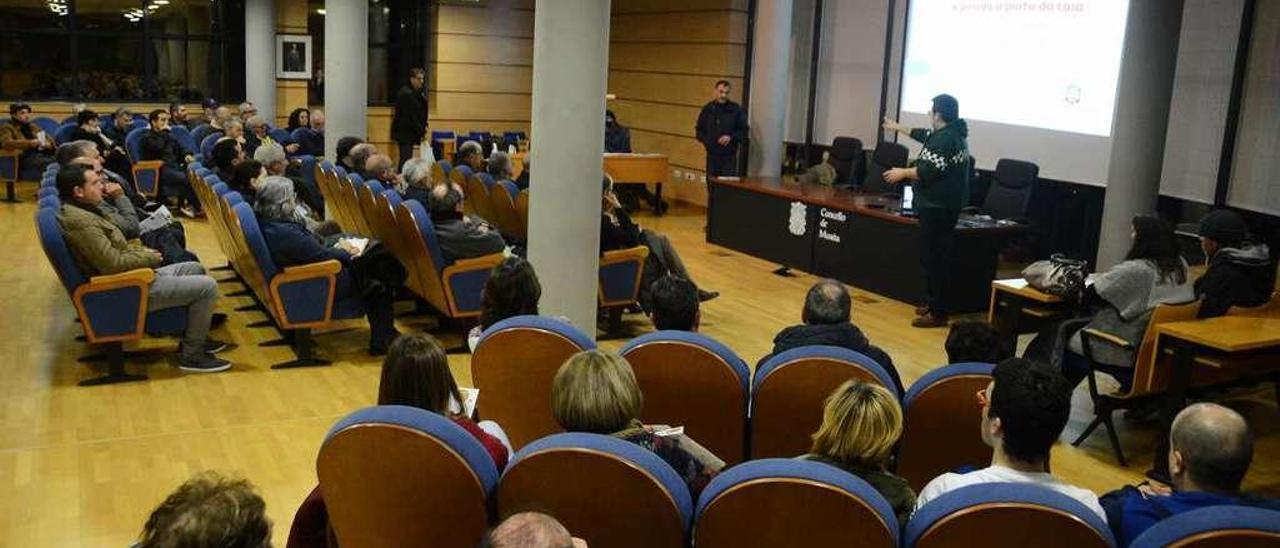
1075, 368
378, 308
937, 245
722, 166
406, 152
173, 182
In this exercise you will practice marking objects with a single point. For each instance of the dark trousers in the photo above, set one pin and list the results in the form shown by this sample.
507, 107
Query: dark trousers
173, 182
406, 152
937, 244
378, 308
718, 166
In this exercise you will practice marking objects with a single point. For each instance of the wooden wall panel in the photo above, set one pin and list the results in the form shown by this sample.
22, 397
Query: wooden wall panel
290, 94
484, 21
482, 106
726, 27
664, 59
490, 78
483, 50
712, 60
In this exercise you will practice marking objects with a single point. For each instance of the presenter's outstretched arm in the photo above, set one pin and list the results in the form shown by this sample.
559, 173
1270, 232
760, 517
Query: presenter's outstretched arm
893, 125
899, 174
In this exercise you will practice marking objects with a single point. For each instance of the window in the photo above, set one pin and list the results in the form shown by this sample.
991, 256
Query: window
399, 33
103, 50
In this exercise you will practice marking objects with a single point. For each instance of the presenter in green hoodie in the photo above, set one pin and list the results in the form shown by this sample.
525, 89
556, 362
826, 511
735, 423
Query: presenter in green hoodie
941, 176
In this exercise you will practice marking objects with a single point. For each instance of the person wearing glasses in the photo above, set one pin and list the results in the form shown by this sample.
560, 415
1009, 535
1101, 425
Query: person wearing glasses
1024, 409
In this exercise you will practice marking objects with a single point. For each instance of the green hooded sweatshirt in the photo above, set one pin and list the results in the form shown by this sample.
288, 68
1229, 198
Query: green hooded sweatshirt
943, 167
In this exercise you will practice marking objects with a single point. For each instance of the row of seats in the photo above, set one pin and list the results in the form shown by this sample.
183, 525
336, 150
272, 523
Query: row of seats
485, 138
402, 476
691, 380
111, 309
452, 288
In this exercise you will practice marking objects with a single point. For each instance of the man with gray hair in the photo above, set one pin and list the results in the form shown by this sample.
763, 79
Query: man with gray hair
247, 110
417, 180
1210, 449
460, 237
255, 133
470, 154
359, 155
500, 166
531, 530
272, 157
827, 318
379, 167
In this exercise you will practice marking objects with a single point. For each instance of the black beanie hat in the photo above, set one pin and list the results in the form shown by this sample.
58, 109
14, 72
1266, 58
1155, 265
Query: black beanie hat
1224, 226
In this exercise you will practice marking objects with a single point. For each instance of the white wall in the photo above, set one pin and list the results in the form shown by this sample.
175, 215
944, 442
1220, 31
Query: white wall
850, 70
1255, 184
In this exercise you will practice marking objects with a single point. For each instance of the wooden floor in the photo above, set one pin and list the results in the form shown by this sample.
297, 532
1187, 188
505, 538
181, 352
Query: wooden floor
84, 466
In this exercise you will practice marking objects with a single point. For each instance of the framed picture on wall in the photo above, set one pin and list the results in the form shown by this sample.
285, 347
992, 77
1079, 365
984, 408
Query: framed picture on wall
293, 56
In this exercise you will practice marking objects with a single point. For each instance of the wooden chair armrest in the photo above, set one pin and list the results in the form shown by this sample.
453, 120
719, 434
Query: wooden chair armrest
637, 253
1113, 339
137, 276
330, 267
148, 164
10, 152
484, 261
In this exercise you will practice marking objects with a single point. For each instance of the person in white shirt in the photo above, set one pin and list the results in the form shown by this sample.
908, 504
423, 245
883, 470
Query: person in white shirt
1024, 409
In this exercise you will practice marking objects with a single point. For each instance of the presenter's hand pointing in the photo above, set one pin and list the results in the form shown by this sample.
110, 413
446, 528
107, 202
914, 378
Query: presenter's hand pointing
893, 125
896, 175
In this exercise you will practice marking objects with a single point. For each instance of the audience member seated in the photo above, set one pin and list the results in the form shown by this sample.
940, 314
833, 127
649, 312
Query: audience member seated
1122, 298
121, 122
531, 530
460, 237
246, 178
88, 128
522, 182
596, 391
827, 318
311, 142
226, 155
178, 116
379, 167
1240, 273
1024, 410
221, 115
470, 154
158, 144
208, 108
861, 424
360, 154
271, 155
511, 290
291, 243
974, 341
209, 510
300, 117
417, 180
343, 153
163, 234
499, 166
235, 131
255, 134
20, 133
617, 138
415, 373
1210, 449
100, 248
617, 231
675, 304
247, 110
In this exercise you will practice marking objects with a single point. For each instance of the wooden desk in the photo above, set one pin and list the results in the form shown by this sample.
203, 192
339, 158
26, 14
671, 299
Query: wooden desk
856, 238
1014, 298
631, 168
1222, 335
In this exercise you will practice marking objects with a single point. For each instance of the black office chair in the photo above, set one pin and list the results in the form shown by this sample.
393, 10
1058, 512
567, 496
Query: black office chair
887, 155
1009, 195
849, 160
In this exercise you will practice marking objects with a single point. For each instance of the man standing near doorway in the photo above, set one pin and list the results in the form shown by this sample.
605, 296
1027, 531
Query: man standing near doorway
722, 124
409, 125
942, 188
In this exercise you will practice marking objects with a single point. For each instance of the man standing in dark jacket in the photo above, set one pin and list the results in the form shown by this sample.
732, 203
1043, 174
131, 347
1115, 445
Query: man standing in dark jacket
722, 124
409, 125
942, 187
1239, 274
828, 321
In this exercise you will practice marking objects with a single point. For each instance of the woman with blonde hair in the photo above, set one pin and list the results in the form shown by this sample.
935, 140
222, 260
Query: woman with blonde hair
861, 423
596, 391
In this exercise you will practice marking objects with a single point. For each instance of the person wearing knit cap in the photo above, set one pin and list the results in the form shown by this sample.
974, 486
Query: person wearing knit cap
1240, 273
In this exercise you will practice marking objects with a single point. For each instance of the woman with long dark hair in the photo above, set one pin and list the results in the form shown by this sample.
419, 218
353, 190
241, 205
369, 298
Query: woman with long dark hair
512, 290
1121, 298
300, 117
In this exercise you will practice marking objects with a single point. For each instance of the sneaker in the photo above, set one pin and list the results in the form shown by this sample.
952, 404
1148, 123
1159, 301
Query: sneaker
704, 296
205, 363
214, 346
188, 212
930, 319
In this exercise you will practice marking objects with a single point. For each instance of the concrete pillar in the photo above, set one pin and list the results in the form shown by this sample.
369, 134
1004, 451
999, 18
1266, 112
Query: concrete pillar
570, 71
770, 75
1141, 118
259, 65
346, 60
